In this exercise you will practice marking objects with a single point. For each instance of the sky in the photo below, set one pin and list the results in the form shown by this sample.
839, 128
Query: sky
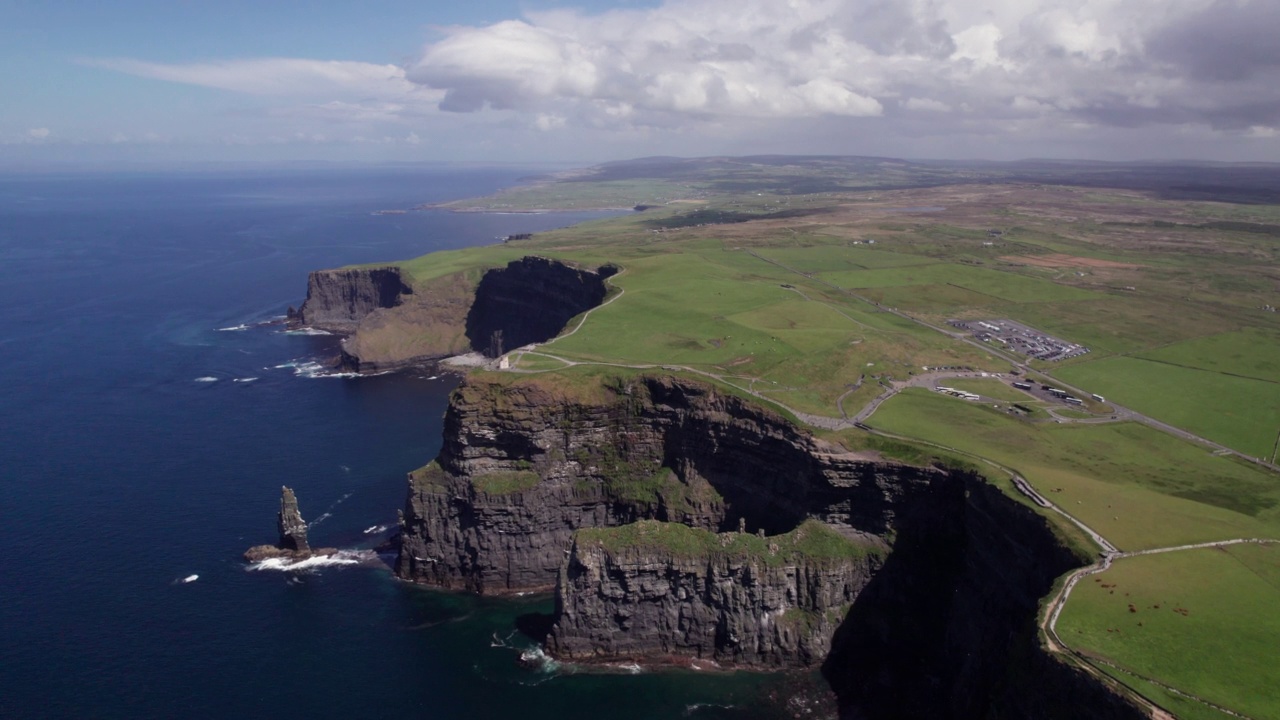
147, 81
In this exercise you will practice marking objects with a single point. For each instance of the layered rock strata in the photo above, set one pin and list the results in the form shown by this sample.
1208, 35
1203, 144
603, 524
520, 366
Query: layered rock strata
665, 590
525, 463
293, 530
337, 300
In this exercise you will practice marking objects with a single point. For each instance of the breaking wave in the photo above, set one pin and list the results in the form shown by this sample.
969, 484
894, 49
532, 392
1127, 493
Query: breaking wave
535, 657
307, 331
245, 380
234, 328
696, 708
313, 369
188, 579
206, 378
338, 559
375, 529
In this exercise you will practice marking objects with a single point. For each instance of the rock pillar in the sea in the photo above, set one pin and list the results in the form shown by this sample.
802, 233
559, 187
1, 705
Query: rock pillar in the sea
293, 531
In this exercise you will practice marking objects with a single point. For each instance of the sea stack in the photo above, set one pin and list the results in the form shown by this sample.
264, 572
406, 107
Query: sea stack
293, 531
293, 535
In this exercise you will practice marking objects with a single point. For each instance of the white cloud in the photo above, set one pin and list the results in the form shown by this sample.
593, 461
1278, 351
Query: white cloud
719, 61
908, 76
288, 77
38, 134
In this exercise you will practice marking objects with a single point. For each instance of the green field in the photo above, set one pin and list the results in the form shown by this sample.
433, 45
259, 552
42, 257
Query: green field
1121, 324
1001, 286
1241, 413
1204, 621
829, 258
1137, 486
1252, 352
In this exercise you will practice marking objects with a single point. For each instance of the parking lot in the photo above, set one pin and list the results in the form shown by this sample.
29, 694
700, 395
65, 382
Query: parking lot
1021, 339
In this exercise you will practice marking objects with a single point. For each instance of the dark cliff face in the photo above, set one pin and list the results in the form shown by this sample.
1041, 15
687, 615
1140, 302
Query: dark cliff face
638, 602
337, 300
391, 325
656, 448
947, 628
529, 301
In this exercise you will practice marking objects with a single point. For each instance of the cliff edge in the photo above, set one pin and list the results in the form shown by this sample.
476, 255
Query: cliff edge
392, 321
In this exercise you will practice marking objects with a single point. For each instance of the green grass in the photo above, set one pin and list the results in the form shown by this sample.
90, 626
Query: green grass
1138, 487
812, 541
932, 299
1238, 412
1203, 621
1122, 324
828, 258
1251, 352
1002, 286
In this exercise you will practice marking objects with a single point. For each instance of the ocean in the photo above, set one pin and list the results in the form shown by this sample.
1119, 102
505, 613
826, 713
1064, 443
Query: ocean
151, 412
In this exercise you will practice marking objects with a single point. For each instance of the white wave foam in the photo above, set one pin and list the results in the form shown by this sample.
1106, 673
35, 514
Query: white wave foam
188, 579
206, 378
245, 380
338, 559
375, 529
690, 710
317, 521
307, 331
234, 328
535, 657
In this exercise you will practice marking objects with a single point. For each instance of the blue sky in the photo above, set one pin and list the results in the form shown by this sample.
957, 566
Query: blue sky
135, 81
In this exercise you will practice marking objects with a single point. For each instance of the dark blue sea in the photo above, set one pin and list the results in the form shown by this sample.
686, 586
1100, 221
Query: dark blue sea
149, 414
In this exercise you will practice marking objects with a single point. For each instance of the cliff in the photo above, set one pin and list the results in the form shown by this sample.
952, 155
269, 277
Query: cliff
662, 589
337, 300
525, 463
392, 323
529, 301
947, 627
665, 515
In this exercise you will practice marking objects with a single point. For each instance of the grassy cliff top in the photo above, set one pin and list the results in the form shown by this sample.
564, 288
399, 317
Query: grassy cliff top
811, 541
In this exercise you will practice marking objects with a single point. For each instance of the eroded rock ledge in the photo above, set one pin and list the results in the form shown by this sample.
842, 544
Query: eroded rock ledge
392, 322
